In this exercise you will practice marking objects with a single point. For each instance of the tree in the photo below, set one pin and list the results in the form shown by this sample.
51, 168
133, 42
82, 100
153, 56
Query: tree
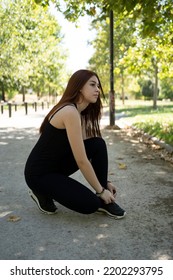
152, 14
154, 20
147, 88
124, 38
31, 48
167, 88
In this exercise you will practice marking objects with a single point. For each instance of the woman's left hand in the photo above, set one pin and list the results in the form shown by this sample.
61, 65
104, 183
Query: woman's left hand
112, 188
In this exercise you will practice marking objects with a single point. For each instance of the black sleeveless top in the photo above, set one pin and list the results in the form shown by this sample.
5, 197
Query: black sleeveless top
50, 150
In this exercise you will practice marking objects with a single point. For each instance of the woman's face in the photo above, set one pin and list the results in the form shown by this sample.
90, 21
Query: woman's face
91, 90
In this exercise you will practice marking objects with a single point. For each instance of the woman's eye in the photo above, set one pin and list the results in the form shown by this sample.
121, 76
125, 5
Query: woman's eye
94, 85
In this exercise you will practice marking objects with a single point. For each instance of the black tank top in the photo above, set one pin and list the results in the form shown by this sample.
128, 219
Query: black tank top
50, 150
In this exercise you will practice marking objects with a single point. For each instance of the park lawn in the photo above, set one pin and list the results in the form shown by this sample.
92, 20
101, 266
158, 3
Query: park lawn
157, 123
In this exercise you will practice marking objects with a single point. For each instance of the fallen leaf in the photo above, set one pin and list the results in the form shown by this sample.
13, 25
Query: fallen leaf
13, 218
122, 166
149, 157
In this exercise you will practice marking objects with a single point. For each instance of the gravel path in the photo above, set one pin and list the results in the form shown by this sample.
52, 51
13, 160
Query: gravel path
145, 189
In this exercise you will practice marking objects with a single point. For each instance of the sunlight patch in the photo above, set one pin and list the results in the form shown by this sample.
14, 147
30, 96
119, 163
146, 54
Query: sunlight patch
3, 143
5, 213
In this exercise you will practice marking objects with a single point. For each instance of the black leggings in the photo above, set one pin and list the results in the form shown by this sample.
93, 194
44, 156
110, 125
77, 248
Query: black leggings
69, 192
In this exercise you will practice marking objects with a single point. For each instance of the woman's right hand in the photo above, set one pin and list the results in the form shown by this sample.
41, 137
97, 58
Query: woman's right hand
107, 197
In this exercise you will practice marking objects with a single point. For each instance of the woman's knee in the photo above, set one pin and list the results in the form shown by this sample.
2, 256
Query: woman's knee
90, 207
100, 142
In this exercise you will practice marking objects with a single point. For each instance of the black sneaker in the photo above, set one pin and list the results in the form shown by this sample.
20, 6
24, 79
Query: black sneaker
46, 205
113, 210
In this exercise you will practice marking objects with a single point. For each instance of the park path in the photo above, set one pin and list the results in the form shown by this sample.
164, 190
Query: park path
145, 189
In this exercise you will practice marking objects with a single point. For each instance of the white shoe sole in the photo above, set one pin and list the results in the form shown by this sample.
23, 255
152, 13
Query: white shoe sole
104, 211
38, 204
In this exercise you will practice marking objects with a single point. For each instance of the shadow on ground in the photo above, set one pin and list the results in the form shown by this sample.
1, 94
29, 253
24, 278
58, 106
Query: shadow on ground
144, 189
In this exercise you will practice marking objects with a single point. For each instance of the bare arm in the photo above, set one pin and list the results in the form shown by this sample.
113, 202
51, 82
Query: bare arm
72, 123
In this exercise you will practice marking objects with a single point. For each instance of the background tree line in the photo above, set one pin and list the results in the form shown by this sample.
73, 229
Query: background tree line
32, 56
143, 39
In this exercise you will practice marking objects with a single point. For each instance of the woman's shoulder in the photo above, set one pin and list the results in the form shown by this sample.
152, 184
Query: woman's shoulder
67, 106
65, 114
69, 109
70, 118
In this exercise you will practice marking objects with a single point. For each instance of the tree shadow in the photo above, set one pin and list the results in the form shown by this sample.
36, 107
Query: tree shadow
69, 235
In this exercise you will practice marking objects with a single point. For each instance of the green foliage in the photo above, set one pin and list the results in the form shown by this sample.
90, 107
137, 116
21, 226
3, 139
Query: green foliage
123, 39
162, 130
31, 51
167, 88
147, 88
143, 31
156, 123
134, 56
152, 15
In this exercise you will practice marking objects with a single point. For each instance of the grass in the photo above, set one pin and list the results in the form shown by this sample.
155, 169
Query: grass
158, 123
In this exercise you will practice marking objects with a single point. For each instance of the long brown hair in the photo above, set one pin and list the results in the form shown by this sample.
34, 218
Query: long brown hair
92, 114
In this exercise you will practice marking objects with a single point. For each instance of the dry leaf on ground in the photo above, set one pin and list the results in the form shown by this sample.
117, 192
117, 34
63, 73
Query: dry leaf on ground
13, 218
122, 166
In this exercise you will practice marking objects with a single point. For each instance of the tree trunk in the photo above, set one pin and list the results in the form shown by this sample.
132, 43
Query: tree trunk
122, 86
155, 87
3, 91
50, 95
23, 93
38, 95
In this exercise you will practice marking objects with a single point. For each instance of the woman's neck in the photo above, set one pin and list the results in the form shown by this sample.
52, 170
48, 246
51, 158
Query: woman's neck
81, 106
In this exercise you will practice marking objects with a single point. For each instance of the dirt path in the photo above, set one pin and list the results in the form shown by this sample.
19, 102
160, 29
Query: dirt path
145, 189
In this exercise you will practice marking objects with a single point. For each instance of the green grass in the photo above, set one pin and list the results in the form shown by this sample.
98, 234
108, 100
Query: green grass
158, 123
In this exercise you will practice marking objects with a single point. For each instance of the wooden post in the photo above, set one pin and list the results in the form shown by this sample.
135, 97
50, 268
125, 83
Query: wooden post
26, 108
9, 109
35, 106
2, 108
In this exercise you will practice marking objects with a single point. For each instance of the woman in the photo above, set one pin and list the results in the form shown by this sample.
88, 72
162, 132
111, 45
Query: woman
70, 140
